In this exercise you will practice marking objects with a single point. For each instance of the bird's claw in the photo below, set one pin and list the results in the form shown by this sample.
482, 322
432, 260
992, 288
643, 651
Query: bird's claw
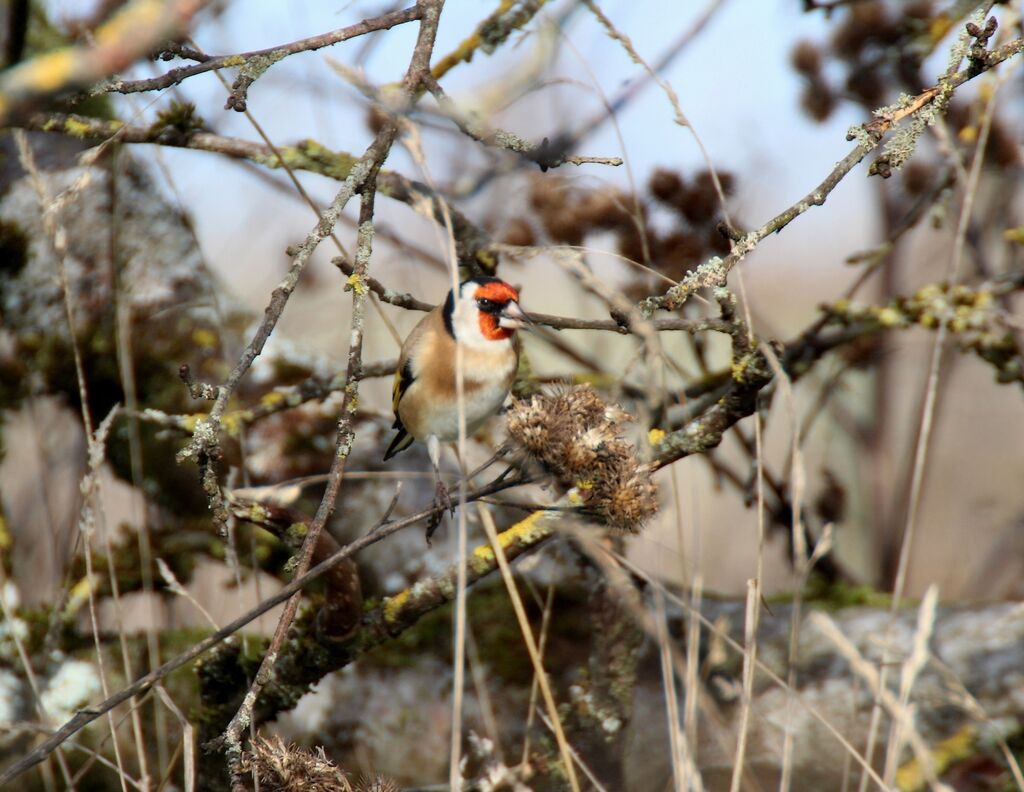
442, 503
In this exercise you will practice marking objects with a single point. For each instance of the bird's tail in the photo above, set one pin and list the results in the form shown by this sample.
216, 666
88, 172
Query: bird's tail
401, 442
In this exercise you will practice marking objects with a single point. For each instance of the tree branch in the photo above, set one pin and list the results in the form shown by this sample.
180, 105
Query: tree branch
258, 61
134, 31
84, 717
869, 136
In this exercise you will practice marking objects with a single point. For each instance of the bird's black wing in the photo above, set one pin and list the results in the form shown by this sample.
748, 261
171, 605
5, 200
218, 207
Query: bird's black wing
403, 379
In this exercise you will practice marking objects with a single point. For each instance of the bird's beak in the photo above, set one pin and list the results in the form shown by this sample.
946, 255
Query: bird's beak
513, 317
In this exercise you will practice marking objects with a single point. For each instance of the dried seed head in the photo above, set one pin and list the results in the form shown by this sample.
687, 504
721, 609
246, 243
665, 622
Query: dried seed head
377, 784
563, 225
576, 438
629, 501
520, 233
806, 57
818, 101
287, 768
917, 177
665, 185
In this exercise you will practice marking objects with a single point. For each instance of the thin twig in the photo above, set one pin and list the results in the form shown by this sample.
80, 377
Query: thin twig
86, 716
530, 641
869, 136
263, 58
346, 435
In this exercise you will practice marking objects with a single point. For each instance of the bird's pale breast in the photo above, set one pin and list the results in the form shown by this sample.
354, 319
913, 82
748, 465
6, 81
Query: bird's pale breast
430, 406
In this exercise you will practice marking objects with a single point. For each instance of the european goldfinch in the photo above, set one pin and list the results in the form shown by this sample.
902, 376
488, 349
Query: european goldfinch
481, 317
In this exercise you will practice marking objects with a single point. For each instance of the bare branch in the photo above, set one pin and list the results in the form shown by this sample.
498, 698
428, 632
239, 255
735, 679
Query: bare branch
134, 31
869, 136
254, 63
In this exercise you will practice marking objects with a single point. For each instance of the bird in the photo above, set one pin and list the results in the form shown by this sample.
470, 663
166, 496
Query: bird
481, 317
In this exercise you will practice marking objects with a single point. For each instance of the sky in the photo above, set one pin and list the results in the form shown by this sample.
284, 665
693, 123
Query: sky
733, 81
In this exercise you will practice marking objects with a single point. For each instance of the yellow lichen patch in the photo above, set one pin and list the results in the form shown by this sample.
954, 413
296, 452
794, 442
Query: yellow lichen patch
968, 134
889, 317
272, 399
234, 421
318, 158
204, 338
77, 597
524, 531
233, 61
939, 27
189, 422
655, 436
961, 745
357, 284
739, 368
5, 534
76, 128
468, 46
1014, 235
127, 24
49, 72
488, 260
393, 605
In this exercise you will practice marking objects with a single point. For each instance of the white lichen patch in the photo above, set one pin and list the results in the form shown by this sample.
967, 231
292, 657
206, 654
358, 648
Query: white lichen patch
11, 697
74, 685
10, 631
159, 263
11, 595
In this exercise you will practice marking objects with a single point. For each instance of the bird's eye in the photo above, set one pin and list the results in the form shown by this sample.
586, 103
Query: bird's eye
487, 306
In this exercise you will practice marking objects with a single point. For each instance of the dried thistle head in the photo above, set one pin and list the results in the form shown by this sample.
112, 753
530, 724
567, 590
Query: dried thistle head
577, 438
628, 500
287, 768
377, 784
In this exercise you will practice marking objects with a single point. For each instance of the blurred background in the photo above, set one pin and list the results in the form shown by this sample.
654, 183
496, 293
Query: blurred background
737, 85
768, 91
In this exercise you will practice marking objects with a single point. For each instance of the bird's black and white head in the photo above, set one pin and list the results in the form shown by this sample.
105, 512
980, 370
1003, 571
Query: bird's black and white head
485, 311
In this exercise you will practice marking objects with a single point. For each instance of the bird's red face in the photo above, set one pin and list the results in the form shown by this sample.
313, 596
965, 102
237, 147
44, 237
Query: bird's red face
499, 312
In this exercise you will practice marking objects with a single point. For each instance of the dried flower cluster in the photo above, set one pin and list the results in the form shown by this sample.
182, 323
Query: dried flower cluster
672, 226
577, 438
879, 49
287, 768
